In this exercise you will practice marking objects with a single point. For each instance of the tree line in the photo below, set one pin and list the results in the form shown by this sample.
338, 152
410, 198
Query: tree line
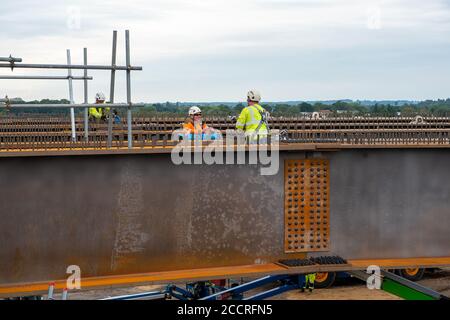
339, 108
439, 107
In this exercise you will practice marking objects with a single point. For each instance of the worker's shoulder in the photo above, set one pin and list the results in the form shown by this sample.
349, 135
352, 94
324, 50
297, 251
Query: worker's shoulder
245, 109
257, 107
188, 125
253, 106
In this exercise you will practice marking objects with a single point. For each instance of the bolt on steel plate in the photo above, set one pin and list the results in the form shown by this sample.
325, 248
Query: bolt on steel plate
306, 205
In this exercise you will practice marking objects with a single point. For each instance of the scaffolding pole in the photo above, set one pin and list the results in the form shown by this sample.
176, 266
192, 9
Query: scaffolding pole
72, 110
86, 110
111, 89
66, 66
127, 48
10, 59
43, 78
65, 105
11, 63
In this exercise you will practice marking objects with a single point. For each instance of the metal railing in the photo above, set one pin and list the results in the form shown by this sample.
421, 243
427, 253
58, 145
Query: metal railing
15, 63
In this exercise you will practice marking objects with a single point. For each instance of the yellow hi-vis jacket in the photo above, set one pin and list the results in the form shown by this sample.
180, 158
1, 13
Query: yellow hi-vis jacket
311, 277
97, 113
249, 120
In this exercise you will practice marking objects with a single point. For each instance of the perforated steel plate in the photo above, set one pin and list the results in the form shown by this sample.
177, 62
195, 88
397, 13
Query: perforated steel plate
306, 205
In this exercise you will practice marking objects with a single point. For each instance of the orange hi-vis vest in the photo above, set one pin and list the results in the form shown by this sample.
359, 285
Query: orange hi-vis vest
195, 128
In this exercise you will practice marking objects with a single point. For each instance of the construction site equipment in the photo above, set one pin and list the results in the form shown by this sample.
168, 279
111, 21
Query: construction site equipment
313, 261
402, 287
206, 291
51, 289
65, 294
297, 262
205, 274
16, 63
390, 282
152, 295
287, 282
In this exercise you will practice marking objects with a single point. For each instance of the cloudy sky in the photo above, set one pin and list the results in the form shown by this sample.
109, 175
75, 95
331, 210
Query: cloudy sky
215, 50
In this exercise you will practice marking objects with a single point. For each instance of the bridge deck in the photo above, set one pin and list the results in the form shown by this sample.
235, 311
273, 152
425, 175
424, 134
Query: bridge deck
165, 149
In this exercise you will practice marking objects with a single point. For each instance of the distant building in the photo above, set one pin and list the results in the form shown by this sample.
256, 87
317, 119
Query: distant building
325, 113
13, 100
346, 111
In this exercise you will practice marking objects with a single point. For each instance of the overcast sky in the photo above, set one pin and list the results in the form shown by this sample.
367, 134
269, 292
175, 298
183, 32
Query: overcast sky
215, 50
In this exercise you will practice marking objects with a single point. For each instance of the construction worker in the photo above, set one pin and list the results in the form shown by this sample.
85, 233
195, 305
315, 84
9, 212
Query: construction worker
309, 282
98, 114
193, 123
253, 119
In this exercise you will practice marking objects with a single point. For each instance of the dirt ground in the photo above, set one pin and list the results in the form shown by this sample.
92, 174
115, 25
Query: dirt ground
343, 289
354, 289
439, 281
348, 289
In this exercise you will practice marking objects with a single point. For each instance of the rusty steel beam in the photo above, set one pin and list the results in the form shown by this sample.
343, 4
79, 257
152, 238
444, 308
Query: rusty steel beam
119, 214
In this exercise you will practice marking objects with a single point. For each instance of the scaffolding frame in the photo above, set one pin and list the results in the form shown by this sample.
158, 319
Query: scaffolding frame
15, 63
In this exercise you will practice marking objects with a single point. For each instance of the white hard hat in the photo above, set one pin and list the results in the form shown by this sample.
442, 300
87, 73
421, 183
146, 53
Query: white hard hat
254, 95
100, 96
194, 110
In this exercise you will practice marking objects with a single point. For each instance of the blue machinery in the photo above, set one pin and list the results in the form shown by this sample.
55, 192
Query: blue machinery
208, 291
205, 290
